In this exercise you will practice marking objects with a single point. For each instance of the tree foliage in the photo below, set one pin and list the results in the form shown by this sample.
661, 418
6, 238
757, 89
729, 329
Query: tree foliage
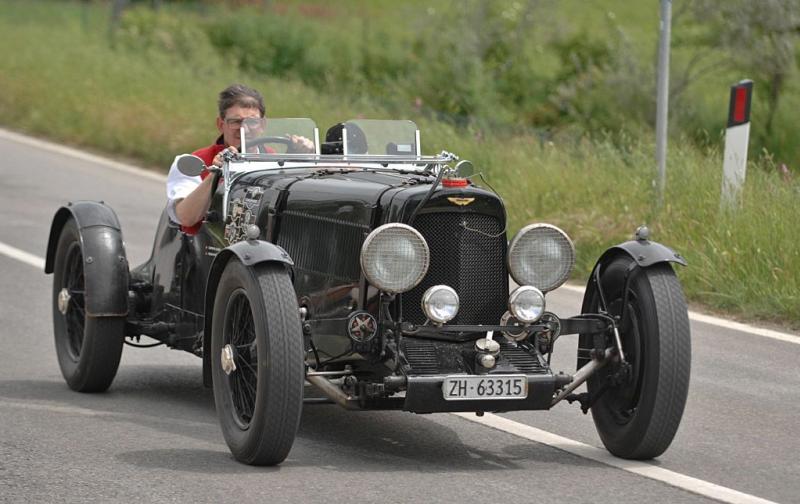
758, 37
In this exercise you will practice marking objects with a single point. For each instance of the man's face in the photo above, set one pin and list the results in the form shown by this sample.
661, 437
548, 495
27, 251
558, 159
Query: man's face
230, 124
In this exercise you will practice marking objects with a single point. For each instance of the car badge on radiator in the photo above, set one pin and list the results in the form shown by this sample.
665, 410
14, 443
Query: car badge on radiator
461, 201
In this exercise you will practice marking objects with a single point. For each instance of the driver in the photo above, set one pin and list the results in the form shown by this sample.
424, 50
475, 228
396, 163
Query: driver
188, 197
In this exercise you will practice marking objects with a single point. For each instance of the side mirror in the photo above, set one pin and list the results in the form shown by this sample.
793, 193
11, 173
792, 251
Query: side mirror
464, 169
191, 165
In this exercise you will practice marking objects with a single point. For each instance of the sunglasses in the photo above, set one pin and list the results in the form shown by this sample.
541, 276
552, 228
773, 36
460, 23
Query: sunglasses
249, 122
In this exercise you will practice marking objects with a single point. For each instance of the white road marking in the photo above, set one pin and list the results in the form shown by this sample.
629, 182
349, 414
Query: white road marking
678, 480
647, 470
720, 322
68, 151
22, 256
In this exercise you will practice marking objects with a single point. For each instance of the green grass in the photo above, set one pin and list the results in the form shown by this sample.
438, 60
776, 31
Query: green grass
62, 80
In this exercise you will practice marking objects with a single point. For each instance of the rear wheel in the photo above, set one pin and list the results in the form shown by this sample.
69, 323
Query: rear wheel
638, 415
257, 362
88, 348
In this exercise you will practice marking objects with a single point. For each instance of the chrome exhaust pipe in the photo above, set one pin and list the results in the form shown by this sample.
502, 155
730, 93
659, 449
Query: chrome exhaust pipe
333, 392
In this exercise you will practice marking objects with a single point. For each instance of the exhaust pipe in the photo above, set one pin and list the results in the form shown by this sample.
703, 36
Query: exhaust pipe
333, 392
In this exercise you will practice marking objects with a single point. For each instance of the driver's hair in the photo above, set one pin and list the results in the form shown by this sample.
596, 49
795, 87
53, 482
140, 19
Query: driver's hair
241, 95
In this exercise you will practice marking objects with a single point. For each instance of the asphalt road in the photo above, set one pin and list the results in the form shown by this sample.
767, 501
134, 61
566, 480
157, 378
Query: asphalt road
154, 435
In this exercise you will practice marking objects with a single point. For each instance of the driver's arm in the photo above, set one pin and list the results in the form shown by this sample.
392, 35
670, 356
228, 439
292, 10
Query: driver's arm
194, 207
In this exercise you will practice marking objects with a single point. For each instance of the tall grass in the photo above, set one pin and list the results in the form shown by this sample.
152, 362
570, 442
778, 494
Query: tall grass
63, 80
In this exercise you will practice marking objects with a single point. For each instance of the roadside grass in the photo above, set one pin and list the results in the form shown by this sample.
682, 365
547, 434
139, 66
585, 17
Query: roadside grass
63, 81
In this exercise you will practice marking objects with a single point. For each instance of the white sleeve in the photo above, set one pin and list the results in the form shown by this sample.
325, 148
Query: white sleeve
178, 187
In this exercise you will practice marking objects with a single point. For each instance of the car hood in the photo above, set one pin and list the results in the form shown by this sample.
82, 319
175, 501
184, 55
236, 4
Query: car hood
369, 198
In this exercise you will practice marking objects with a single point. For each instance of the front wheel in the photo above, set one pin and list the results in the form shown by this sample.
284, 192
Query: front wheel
88, 348
257, 362
637, 413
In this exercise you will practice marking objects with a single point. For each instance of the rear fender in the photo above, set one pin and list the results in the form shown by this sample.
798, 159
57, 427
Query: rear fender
250, 253
644, 253
105, 264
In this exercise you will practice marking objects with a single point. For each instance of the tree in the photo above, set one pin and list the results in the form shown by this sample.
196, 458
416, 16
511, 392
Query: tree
758, 37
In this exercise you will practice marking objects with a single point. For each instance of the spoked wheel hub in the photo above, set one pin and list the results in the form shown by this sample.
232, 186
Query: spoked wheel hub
228, 359
239, 358
70, 300
63, 300
626, 383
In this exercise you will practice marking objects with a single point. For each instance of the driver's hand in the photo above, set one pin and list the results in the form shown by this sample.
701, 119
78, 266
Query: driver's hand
218, 158
300, 144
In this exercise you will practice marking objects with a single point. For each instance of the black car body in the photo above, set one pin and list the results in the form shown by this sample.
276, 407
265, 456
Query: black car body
307, 220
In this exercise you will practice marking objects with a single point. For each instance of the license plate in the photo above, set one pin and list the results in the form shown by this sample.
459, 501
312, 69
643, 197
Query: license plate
457, 388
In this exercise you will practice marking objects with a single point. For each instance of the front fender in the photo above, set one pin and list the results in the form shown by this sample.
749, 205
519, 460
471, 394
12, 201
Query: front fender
645, 253
249, 253
105, 263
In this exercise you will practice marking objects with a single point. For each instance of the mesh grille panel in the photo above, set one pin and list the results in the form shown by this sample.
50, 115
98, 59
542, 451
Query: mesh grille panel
336, 256
470, 262
520, 359
541, 256
422, 357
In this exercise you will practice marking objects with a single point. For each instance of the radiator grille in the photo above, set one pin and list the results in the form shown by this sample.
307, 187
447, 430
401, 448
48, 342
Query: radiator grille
520, 359
422, 357
427, 357
468, 253
323, 245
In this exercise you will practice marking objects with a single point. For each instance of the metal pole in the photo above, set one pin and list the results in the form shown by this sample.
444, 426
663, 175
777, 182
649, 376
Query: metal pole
663, 98
117, 7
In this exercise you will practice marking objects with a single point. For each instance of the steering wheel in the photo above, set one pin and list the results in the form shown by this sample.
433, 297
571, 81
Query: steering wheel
269, 139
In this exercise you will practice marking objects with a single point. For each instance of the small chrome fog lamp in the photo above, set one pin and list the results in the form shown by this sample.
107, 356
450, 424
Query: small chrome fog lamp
395, 258
526, 304
440, 304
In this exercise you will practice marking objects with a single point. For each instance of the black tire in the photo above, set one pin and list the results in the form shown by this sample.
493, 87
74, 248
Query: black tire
88, 348
259, 404
638, 418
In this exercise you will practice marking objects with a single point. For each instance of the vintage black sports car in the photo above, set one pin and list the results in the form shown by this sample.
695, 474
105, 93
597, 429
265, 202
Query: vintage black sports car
381, 277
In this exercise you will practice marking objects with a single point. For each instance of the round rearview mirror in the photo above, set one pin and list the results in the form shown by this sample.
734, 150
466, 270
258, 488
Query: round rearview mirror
191, 165
465, 169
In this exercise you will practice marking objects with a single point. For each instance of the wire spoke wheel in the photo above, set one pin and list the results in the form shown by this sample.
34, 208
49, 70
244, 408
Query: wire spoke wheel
240, 333
76, 312
257, 361
88, 347
638, 410
624, 400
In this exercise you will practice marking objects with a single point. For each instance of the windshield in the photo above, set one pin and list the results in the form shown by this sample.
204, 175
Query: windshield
268, 135
380, 137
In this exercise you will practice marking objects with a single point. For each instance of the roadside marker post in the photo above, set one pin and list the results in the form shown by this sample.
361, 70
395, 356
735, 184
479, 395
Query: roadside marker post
662, 99
737, 137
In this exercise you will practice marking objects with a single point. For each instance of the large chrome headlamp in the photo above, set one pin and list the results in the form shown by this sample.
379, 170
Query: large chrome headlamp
541, 255
395, 258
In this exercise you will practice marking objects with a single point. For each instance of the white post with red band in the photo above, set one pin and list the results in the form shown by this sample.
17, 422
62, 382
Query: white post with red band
737, 137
